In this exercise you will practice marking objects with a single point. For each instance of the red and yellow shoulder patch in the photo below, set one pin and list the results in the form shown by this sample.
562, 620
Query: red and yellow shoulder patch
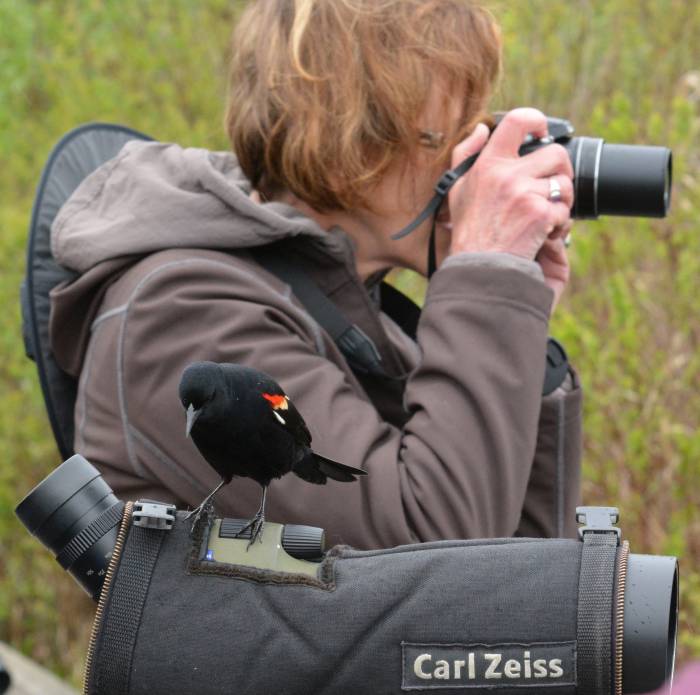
278, 402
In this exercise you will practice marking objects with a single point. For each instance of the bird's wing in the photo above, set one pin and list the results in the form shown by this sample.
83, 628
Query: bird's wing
290, 418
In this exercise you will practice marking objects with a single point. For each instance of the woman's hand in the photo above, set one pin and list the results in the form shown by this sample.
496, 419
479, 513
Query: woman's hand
554, 261
502, 204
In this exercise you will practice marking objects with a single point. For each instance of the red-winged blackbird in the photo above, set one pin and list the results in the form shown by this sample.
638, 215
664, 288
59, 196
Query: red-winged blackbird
244, 425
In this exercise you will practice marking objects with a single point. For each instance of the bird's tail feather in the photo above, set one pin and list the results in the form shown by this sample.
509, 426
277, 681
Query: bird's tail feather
337, 471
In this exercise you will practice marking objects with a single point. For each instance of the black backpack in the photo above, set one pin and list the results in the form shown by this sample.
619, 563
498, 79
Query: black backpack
74, 157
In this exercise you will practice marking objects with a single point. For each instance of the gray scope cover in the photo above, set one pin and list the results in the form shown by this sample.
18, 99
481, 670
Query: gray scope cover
386, 621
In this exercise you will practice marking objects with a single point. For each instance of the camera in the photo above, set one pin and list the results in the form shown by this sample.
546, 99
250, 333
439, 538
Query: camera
609, 179
479, 614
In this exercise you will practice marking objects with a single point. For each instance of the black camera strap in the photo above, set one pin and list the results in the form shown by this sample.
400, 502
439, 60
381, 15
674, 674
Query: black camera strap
400, 308
442, 188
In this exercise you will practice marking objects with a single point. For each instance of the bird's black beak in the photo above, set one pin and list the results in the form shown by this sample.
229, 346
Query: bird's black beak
192, 416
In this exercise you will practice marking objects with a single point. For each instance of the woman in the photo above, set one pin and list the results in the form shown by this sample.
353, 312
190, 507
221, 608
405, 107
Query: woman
342, 115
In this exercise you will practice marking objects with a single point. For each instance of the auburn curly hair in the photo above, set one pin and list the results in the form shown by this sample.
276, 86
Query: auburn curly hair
324, 95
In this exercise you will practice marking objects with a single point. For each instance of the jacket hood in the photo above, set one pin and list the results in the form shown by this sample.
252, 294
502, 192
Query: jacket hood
154, 196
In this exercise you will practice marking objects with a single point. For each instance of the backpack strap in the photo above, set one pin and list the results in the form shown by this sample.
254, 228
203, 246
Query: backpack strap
357, 347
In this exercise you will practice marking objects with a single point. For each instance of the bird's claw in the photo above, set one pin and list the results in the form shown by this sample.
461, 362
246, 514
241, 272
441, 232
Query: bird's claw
198, 513
256, 529
257, 532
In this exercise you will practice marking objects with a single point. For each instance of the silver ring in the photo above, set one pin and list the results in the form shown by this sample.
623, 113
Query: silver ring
567, 240
554, 190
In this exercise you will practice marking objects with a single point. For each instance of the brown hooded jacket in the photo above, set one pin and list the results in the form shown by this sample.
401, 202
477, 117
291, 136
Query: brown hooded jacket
161, 237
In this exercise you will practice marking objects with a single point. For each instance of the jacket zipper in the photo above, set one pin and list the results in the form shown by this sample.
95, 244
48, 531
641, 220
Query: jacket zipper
620, 613
109, 577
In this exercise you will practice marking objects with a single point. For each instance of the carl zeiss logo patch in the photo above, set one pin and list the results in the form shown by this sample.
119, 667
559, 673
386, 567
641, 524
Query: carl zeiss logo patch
435, 665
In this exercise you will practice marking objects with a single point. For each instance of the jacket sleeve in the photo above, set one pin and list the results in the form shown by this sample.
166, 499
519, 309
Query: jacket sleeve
460, 467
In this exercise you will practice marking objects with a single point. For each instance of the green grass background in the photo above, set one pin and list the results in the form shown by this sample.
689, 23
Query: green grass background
625, 70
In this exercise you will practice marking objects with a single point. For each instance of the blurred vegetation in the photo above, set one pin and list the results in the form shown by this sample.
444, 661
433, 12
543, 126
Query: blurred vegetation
625, 70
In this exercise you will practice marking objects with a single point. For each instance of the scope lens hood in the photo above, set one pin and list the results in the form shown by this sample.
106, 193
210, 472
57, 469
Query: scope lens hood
651, 622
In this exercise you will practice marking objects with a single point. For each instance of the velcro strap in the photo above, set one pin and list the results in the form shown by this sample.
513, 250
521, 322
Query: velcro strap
112, 661
595, 611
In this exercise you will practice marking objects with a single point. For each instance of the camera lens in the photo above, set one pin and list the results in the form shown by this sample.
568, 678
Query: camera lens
75, 514
628, 180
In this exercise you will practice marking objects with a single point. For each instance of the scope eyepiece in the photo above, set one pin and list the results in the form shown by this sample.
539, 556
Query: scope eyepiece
75, 514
